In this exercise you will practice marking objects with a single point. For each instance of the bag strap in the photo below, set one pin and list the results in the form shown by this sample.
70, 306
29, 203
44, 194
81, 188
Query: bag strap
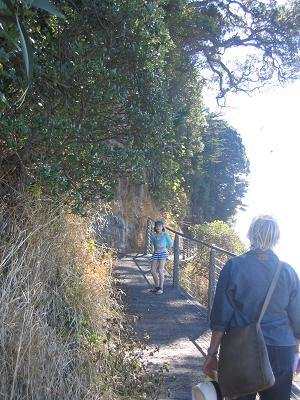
270, 291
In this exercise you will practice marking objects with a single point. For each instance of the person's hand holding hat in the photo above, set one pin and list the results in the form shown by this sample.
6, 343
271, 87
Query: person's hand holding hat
210, 366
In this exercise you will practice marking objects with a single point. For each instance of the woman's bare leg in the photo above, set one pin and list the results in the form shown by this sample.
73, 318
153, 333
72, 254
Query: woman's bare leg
154, 267
161, 273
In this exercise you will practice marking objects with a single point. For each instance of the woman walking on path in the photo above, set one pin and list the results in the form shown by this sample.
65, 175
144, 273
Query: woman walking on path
240, 293
161, 241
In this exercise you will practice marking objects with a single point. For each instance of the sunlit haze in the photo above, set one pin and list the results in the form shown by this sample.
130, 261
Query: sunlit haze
269, 125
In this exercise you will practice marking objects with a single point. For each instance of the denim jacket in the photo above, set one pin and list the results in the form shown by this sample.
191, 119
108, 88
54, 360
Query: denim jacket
240, 293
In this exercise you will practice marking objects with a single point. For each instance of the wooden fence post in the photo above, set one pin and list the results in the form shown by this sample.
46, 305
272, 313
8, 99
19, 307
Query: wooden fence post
212, 280
148, 246
176, 262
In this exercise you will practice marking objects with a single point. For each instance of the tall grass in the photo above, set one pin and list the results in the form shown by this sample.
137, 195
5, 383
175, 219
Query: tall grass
62, 332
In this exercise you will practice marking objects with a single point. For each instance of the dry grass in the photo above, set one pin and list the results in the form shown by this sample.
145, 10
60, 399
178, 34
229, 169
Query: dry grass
34, 306
62, 331
197, 284
195, 273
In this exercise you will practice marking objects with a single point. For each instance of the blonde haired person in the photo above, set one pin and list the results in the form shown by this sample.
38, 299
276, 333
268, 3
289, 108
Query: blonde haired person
240, 293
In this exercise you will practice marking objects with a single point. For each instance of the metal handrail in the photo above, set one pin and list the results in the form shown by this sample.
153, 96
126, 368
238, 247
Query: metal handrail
211, 246
179, 277
214, 268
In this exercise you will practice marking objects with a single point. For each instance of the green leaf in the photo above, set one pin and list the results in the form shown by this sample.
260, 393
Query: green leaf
7, 36
26, 50
45, 5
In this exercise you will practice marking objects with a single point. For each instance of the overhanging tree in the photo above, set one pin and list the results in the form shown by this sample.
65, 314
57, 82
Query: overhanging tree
240, 44
117, 86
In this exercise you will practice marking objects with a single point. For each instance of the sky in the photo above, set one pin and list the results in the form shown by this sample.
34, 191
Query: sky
269, 124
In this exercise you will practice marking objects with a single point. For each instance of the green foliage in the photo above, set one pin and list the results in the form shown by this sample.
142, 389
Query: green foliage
218, 179
169, 168
115, 91
99, 102
263, 35
221, 234
12, 28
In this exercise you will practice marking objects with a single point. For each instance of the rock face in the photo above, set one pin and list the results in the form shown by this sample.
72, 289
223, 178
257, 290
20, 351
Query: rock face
123, 226
111, 230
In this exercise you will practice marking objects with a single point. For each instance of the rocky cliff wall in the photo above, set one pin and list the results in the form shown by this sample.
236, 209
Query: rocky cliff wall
122, 225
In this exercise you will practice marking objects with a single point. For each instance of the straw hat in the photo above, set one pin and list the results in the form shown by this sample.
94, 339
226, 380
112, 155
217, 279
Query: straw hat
206, 391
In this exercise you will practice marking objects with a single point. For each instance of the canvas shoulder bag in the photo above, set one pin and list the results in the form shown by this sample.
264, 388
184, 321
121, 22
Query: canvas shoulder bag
244, 367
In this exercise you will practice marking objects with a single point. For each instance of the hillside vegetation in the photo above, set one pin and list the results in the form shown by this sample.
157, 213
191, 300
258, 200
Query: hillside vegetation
95, 93
63, 334
100, 90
